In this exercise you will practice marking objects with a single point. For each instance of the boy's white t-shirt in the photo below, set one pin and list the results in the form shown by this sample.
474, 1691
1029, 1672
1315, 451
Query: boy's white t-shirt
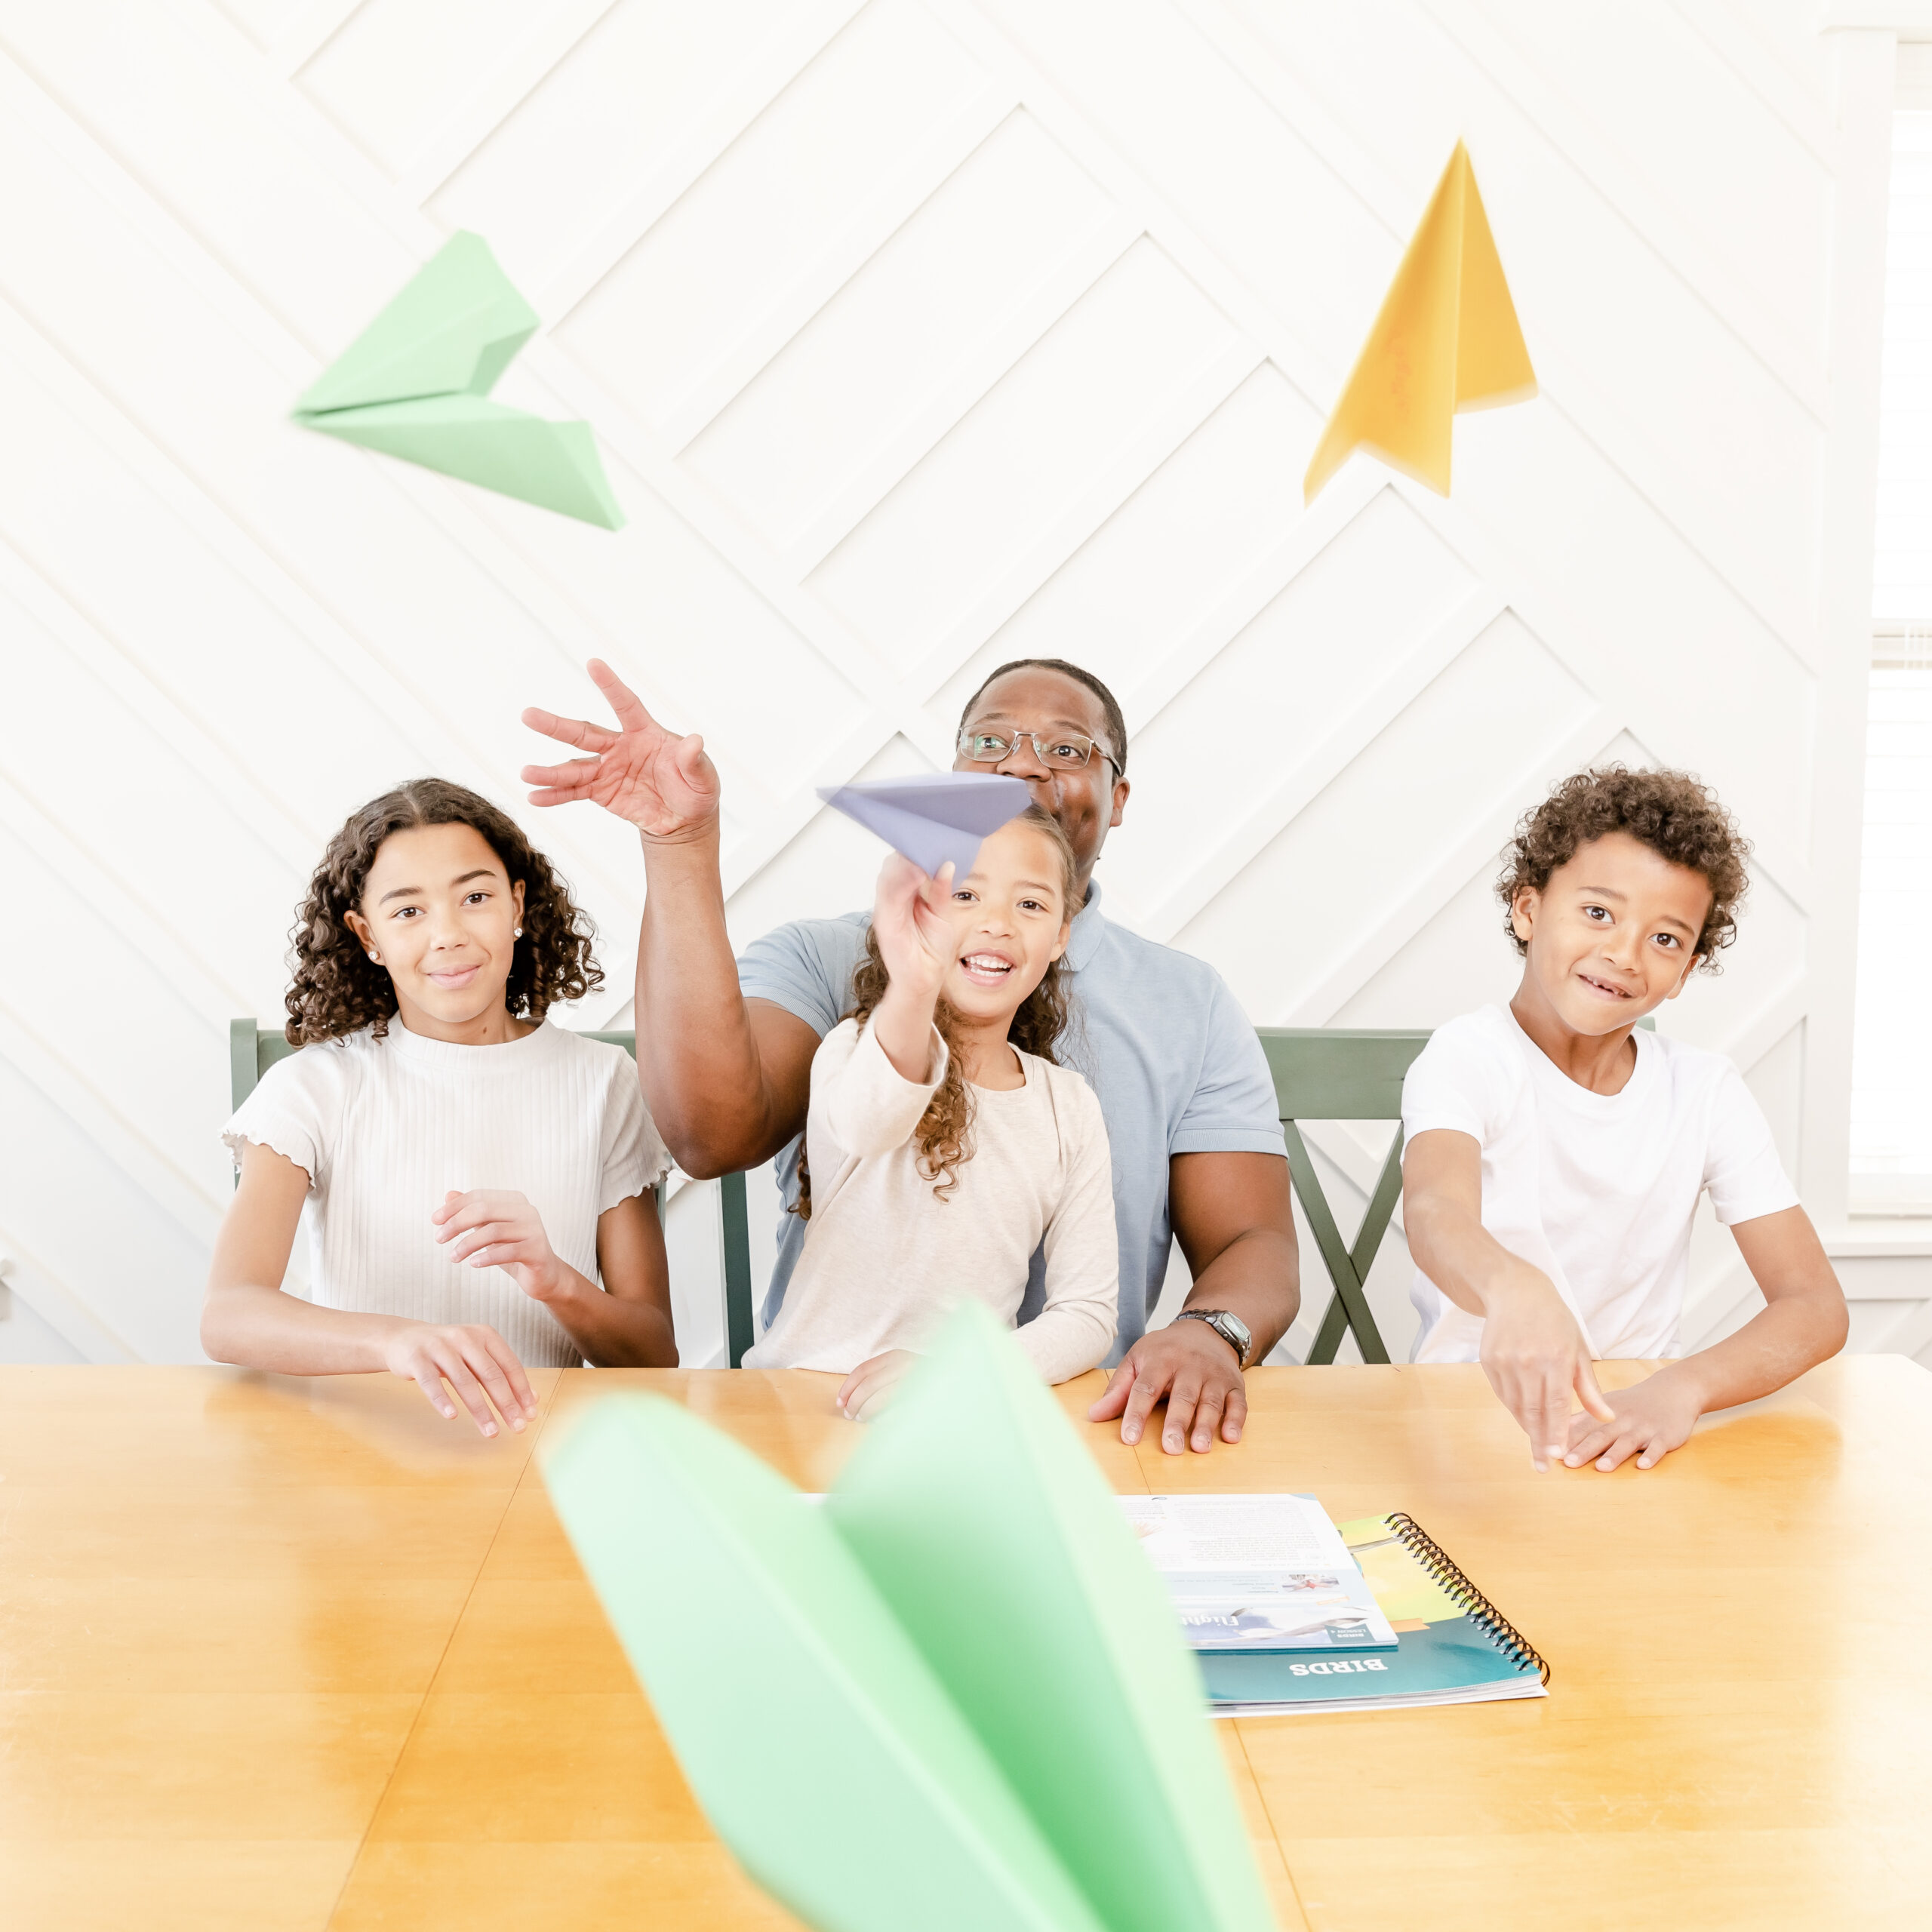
1597, 1190
385, 1128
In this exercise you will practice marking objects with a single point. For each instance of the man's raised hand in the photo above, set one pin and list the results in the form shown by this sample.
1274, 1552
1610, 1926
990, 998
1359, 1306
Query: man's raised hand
660, 782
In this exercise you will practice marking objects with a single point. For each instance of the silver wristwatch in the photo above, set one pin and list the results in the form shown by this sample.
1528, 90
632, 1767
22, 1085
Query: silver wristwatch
1231, 1329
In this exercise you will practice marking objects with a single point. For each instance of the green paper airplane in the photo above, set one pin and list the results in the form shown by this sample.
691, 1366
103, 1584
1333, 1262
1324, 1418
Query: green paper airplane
415, 384
954, 1696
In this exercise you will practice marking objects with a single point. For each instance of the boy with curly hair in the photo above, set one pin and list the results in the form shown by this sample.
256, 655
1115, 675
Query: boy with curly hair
1555, 1154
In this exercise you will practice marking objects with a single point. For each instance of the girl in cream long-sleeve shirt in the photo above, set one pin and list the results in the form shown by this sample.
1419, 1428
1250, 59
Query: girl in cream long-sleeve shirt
943, 1146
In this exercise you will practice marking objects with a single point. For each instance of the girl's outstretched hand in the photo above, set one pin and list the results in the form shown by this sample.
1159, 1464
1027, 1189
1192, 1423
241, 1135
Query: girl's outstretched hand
474, 1360
660, 782
915, 936
866, 1390
496, 1227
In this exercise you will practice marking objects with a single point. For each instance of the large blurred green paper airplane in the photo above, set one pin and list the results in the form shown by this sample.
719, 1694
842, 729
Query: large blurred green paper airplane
954, 1696
416, 383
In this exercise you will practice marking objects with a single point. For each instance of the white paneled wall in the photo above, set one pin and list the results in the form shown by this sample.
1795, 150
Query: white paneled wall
918, 334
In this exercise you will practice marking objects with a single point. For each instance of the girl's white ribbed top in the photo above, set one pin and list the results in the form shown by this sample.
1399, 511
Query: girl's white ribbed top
384, 1128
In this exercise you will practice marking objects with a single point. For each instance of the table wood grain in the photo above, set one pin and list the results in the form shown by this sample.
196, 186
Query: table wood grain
284, 1654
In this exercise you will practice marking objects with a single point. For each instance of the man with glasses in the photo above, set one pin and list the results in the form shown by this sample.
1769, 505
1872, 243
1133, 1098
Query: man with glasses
725, 1046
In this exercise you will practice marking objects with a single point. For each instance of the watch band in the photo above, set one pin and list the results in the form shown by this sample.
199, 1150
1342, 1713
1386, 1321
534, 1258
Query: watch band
1230, 1327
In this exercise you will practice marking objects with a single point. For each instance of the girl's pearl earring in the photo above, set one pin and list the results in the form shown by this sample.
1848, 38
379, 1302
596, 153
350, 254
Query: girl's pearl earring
518, 933
376, 957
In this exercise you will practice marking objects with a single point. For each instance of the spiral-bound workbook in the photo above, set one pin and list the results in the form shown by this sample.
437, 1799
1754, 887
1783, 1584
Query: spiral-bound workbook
1453, 1645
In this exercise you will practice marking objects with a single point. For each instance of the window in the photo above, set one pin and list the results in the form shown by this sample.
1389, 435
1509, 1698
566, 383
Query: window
1891, 1106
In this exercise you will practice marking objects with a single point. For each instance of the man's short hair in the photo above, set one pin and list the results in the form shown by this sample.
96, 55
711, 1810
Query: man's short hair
1677, 818
1109, 705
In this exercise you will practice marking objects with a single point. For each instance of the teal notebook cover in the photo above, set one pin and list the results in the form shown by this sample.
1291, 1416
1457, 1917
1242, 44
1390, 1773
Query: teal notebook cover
1456, 1656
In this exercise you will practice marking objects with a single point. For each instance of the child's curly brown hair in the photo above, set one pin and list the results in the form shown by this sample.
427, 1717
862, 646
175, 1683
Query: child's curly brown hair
1679, 819
338, 989
945, 1132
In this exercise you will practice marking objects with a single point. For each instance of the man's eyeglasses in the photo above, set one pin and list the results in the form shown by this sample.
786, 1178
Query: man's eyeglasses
1064, 751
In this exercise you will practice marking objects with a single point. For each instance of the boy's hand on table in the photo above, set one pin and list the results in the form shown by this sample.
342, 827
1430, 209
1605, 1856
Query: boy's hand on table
474, 1360
1649, 1421
496, 1227
1534, 1355
1189, 1365
865, 1391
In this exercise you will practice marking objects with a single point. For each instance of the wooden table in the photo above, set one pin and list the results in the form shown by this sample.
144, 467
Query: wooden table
282, 1654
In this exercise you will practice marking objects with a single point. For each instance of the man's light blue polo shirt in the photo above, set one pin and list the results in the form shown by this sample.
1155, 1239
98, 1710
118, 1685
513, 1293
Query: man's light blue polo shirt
1157, 1033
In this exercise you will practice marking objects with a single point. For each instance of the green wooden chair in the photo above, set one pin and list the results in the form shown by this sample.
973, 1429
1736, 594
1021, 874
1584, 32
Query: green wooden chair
1332, 1073
252, 1052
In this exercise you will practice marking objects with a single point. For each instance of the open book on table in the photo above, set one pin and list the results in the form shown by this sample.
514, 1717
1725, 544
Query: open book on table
1259, 1573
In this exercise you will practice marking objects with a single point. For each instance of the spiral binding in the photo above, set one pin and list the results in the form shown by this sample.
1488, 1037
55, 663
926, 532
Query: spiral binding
1444, 1570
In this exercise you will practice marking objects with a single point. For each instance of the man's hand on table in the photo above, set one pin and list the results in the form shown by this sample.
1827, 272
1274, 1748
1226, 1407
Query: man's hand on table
1190, 1364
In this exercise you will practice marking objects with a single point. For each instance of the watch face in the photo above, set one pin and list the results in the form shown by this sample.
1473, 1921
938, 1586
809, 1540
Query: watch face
1231, 1329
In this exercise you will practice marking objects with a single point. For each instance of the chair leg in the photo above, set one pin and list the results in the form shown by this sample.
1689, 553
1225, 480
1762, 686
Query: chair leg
1328, 1337
735, 1229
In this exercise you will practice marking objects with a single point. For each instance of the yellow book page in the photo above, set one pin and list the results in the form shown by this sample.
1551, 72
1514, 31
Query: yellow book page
1404, 1589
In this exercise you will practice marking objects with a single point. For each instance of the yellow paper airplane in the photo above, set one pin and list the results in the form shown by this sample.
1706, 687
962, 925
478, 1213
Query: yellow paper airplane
1446, 339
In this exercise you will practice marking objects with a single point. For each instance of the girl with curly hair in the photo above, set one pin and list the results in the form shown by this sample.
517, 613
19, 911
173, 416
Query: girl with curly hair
1556, 1152
944, 1143
477, 1178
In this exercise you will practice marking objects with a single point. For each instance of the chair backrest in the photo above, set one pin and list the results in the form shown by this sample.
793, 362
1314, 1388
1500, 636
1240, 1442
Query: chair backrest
1333, 1073
251, 1052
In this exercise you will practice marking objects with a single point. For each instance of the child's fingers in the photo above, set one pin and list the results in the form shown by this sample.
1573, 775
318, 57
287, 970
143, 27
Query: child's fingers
491, 1234
488, 1371
468, 1390
512, 1369
1586, 1443
483, 1208
1592, 1396
864, 1400
1624, 1444
429, 1378
1555, 1437
860, 1390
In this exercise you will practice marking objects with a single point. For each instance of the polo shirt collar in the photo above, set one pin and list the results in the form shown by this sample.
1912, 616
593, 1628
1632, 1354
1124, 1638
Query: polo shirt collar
1090, 928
